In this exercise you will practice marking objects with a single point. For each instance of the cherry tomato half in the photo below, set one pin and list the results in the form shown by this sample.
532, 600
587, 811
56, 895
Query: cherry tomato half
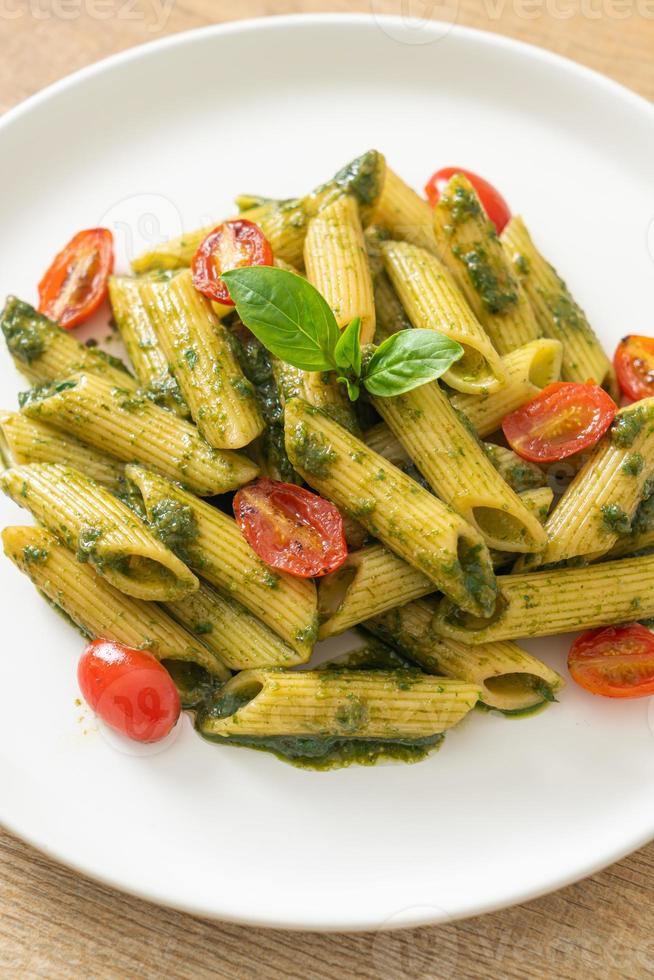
129, 689
494, 204
634, 365
616, 661
291, 528
232, 245
564, 418
76, 283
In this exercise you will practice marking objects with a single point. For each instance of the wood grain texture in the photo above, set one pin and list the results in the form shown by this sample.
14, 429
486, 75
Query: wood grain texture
58, 925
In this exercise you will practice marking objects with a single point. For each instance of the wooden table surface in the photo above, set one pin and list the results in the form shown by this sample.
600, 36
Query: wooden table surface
56, 924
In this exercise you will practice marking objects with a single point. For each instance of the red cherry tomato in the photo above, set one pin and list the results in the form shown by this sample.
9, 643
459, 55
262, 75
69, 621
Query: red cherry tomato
616, 661
634, 366
129, 689
564, 418
76, 283
232, 245
494, 204
290, 528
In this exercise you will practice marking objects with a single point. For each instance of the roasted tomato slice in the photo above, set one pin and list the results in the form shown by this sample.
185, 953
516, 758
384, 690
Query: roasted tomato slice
494, 204
76, 283
634, 366
232, 245
564, 418
616, 661
291, 528
129, 689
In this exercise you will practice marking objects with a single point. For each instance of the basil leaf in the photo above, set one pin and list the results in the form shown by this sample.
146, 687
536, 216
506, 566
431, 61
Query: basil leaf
353, 389
347, 352
408, 359
287, 314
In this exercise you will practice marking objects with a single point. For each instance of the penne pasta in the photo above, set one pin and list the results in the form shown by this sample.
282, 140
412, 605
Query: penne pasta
137, 431
394, 508
100, 529
98, 609
433, 301
468, 245
213, 545
406, 215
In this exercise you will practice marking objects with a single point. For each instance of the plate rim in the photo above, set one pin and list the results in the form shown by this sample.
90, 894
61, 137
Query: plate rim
281, 22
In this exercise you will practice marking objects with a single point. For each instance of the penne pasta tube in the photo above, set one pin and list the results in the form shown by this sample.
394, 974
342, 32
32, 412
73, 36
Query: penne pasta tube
284, 223
549, 602
528, 369
29, 441
336, 263
212, 543
556, 311
229, 630
520, 474
44, 351
409, 520
318, 388
199, 353
98, 609
143, 348
352, 704
433, 301
468, 245
135, 430
458, 470
598, 506
100, 529
511, 680
406, 215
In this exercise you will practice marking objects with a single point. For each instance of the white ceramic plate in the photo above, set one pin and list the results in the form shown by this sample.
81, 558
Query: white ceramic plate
163, 137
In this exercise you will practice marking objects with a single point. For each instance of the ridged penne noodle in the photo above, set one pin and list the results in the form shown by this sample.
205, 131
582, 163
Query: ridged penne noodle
557, 313
390, 315
143, 348
212, 543
510, 679
100, 529
528, 370
406, 215
549, 602
369, 582
519, 473
351, 704
284, 223
602, 499
432, 301
229, 630
468, 245
391, 506
632, 544
457, 469
199, 354
319, 388
336, 263
29, 441
135, 430
43, 351
100, 610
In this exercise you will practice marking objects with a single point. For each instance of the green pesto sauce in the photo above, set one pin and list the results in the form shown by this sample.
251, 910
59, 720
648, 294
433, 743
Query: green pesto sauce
34, 556
194, 684
565, 312
87, 551
477, 580
496, 293
361, 177
633, 464
461, 204
523, 476
191, 357
23, 329
309, 634
40, 392
176, 525
628, 425
129, 401
163, 391
615, 519
314, 454
644, 517
522, 264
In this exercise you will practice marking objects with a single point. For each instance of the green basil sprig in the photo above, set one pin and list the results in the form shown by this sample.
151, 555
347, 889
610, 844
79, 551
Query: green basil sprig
291, 318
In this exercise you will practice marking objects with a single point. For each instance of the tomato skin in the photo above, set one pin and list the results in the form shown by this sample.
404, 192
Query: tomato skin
634, 365
581, 412
494, 204
291, 528
614, 662
232, 245
129, 689
75, 284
